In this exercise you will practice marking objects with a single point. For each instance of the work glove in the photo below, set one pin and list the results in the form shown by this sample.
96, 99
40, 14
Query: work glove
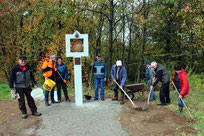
180, 96
64, 81
13, 95
151, 88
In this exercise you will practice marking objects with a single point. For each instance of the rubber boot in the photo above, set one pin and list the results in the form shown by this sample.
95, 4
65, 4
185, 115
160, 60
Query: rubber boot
116, 96
122, 98
180, 109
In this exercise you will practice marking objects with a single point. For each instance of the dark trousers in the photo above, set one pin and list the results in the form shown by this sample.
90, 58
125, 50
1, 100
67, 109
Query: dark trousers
31, 103
164, 93
61, 84
51, 95
116, 91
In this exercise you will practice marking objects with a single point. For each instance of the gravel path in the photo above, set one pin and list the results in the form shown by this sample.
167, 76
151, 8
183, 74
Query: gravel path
93, 118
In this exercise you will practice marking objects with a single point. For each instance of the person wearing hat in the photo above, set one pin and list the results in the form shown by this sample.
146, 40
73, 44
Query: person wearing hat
180, 80
149, 79
100, 75
119, 75
20, 78
163, 76
48, 70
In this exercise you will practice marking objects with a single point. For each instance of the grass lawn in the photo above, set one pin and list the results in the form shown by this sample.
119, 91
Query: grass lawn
4, 91
194, 101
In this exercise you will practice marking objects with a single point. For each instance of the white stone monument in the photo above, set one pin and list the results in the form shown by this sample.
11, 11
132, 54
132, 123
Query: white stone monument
77, 47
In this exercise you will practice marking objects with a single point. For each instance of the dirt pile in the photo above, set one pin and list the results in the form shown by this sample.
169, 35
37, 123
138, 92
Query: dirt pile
11, 122
155, 121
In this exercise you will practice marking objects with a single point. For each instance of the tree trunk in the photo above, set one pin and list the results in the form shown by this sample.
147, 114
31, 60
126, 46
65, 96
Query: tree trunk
123, 25
111, 22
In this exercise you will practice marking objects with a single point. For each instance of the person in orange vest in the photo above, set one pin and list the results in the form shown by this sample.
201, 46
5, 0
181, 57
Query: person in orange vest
48, 70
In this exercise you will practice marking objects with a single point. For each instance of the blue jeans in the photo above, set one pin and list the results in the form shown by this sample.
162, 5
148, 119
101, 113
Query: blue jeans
96, 83
180, 103
152, 95
51, 95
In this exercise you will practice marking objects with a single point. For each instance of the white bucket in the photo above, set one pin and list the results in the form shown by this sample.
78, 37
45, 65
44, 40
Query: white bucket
55, 96
37, 94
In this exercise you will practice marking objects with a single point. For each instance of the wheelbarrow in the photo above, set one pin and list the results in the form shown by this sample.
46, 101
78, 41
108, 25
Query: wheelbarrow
133, 88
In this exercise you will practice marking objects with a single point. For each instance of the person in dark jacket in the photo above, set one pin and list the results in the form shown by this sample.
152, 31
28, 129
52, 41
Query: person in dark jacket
48, 70
20, 78
62, 69
119, 75
163, 76
180, 79
100, 74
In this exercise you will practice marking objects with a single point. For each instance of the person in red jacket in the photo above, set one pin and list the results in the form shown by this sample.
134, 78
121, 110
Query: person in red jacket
180, 80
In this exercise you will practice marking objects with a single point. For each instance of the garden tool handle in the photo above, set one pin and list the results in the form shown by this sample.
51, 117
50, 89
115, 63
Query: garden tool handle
183, 101
61, 76
151, 89
125, 93
90, 79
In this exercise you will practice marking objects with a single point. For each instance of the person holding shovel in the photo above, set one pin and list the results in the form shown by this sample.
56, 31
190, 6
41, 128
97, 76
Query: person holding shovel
61, 79
48, 70
100, 74
180, 80
149, 78
20, 77
119, 75
163, 76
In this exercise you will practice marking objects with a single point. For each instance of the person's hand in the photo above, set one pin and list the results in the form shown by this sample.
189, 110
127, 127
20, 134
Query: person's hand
65, 81
104, 79
170, 80
92, 63
114, 80
151, 88
180, 96
35, 86
45, 78
13, 94
55, 69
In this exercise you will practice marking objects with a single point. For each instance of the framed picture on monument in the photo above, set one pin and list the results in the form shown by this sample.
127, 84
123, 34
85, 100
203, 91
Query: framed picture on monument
77, 45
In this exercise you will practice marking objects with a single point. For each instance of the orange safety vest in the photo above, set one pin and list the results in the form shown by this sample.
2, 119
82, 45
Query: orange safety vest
47, 68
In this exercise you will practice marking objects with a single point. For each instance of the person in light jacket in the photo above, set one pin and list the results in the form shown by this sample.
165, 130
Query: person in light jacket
150, 74
119, 75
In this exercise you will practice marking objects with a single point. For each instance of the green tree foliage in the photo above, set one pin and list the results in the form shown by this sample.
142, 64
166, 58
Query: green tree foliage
167, 31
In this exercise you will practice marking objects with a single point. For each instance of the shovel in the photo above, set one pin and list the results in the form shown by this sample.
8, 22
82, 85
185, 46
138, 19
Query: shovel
133, 105
87, 96
146, 105
62, 79
183, 102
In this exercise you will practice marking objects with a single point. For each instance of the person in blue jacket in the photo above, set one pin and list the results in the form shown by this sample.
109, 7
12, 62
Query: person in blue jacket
61, 83
150, 74
119, 75
100, 74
